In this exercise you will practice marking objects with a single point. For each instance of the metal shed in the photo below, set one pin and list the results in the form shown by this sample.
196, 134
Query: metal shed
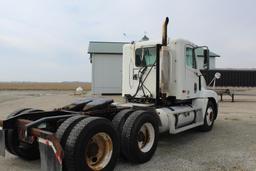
106, 59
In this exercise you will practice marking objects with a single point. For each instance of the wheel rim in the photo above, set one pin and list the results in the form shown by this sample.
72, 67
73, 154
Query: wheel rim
99, 151
209, 116
146, 137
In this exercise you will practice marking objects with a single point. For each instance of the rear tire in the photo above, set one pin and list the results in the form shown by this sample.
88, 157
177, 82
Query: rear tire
64, 130
140, 136
210, 115
119, 121
66, 127
7, 145
16, 147
92, 145
120, 118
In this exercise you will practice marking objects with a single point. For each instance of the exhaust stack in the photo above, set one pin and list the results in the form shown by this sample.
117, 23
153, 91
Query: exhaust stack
164, 43
164, 32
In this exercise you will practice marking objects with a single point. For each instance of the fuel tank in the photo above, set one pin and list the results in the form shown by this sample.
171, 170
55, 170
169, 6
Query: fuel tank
183, 119
176, 117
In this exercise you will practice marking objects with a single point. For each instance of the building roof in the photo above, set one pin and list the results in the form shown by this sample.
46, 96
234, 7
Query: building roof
200, 53
117, 48
106, 47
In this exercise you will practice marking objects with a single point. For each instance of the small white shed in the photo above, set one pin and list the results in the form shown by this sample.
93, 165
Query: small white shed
106, 59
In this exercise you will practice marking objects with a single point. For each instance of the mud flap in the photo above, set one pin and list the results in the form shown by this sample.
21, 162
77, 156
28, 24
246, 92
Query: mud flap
49, 160
2, 142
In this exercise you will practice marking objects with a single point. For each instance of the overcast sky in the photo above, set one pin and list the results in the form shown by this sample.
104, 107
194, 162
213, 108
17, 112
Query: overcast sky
47, 40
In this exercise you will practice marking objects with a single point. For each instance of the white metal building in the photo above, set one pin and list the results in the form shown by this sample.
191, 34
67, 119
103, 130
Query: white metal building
106, 59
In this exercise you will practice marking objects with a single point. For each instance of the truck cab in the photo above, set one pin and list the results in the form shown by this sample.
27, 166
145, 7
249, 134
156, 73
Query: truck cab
180, 79
165, 77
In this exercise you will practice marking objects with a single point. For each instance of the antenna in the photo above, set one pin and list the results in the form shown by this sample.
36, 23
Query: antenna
145, 37
129, 40
125, 35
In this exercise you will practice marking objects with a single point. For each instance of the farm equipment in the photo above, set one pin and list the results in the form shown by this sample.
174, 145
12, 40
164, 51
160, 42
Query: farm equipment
164, 91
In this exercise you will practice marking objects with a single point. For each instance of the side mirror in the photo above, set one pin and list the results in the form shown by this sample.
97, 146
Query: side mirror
217, 75
206, 58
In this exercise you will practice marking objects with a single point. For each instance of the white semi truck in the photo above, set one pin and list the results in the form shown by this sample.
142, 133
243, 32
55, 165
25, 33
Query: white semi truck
164, 92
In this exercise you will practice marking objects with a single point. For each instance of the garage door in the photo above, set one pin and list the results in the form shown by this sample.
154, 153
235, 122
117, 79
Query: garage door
107, 74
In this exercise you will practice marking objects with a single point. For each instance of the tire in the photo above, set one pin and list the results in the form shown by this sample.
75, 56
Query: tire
118, 123
140, 136
64, 129
83, 144
7, 146
209, 118
119, 120
22, 149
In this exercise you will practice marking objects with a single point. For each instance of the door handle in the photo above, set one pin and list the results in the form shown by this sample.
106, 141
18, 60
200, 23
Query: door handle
195, 87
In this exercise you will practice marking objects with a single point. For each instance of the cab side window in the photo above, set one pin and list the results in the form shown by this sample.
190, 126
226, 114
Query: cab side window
190, 58
145, 56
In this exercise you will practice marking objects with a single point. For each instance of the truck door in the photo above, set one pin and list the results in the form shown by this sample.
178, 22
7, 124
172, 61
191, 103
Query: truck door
142, 75
192, 79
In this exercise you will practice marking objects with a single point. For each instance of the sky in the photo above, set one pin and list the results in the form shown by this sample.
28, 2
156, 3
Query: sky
47, 40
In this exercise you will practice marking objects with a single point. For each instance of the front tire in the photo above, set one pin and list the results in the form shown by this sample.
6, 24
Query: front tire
140, 136
210, 115
92, 145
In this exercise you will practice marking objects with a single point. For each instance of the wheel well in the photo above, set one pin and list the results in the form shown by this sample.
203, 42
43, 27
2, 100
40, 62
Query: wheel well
158, 119
215, 106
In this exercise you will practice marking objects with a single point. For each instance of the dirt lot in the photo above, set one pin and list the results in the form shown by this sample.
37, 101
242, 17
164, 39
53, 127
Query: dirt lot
44, 86
231, 145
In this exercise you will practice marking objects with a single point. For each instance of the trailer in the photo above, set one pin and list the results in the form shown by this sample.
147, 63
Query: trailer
164, 92
233, 82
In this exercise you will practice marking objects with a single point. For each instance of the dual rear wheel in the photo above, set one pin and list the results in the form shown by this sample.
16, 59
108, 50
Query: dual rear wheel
89, 143
138, 132
17, 147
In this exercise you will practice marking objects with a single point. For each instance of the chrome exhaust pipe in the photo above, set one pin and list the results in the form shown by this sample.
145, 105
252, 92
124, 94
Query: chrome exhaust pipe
164, 32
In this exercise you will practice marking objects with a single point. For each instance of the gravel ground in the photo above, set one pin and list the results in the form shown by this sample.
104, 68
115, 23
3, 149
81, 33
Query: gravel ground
230, 146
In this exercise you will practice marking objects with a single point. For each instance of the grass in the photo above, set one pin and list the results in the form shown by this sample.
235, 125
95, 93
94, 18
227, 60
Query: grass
44, 86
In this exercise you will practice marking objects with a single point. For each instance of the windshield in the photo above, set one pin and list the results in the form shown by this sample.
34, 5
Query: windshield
145, 56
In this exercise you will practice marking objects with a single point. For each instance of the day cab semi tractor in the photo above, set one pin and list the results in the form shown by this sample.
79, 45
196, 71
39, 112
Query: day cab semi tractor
164, 92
